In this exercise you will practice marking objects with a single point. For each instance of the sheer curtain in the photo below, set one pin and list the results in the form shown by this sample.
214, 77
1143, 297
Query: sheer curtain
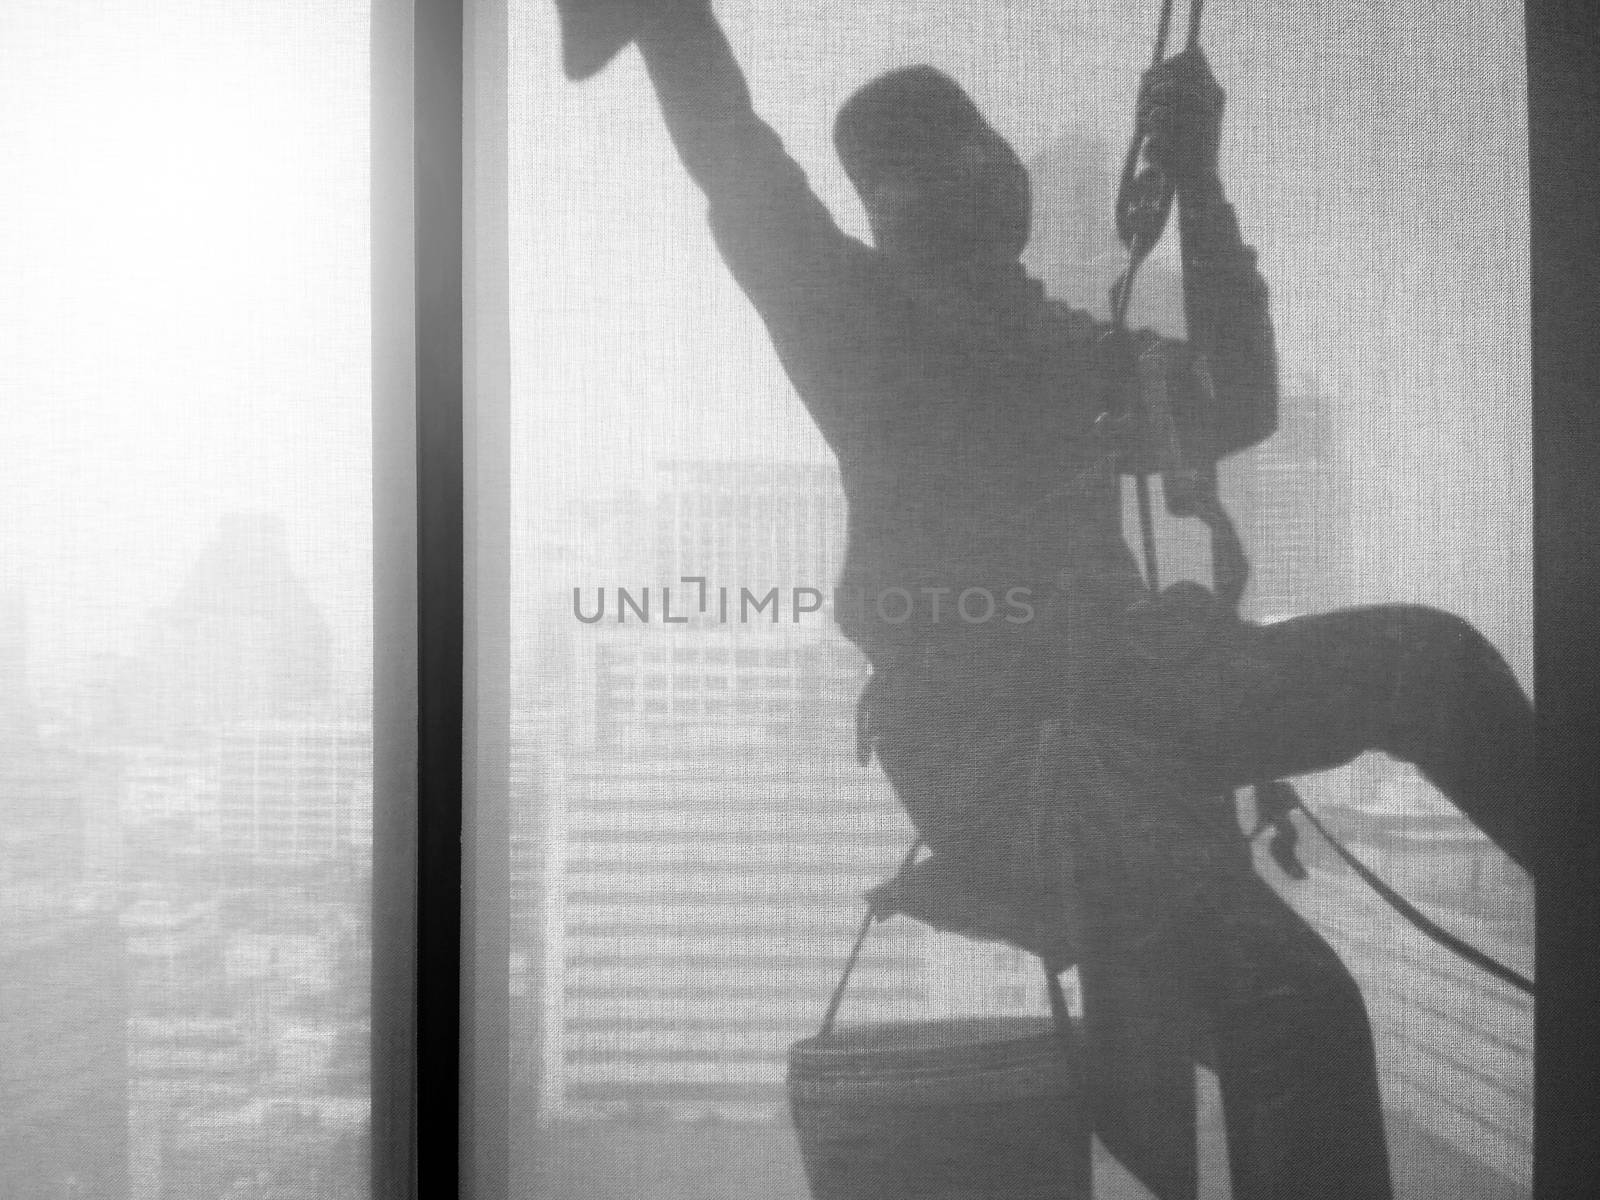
688, 832
186, 791
666, 833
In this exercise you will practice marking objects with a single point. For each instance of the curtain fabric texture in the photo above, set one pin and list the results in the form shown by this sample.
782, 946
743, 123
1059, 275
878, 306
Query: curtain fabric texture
690, 830
186, 734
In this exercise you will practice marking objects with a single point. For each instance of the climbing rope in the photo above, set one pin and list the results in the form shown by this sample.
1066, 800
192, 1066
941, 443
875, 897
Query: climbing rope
1143, 209
1416, 916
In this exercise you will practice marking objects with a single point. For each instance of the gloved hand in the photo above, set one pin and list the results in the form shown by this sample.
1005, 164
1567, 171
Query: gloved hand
593, 32
1180, 112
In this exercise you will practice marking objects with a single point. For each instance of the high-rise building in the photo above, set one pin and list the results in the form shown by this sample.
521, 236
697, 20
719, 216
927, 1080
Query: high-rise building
241, 641
745, 524
1290, 495
294, 793
63, 978
1290, 498
191, 1046
714, 841
245, 800
710, 833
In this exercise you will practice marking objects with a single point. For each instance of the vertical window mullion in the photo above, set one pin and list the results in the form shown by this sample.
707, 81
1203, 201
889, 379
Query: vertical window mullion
486, 833
417, 448
440, 588
1563, 101
395, 661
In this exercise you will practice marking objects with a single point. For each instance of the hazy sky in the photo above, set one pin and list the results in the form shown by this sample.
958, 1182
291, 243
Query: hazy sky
184, 324
184, 327
1376, 153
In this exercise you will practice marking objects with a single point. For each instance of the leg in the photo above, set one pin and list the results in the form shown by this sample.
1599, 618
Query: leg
1294, 1052
1179, 936
1243, 983
1139, 1049
1416, 683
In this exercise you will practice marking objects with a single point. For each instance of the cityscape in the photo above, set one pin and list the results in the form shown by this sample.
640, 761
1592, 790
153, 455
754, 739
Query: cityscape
185, 867
185, 862
703, 835
688, 878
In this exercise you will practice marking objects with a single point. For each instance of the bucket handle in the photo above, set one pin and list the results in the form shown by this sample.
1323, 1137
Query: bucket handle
867, 918
1059, 1015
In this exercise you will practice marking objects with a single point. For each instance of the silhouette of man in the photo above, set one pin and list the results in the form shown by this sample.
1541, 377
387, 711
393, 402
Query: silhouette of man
962, 405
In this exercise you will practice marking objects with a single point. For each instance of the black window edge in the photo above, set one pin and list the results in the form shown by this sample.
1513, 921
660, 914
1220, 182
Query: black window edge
1563, 114
440, 584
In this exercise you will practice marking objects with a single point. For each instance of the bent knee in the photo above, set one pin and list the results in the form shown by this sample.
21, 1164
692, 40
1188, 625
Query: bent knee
1437, 665
1420, 629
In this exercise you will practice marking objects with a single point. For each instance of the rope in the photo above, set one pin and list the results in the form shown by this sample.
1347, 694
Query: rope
1161, 31
867, 918
1124, 297
1194, 23
1147, 533
1140, 243
1059, 1015
1195, 7
1418, 918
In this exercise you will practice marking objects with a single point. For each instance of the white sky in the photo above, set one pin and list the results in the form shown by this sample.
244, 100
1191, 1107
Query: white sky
1376, 153
184, 327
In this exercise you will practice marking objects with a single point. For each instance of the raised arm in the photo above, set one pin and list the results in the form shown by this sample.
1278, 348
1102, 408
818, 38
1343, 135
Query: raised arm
804, 276
769, 224
702, 91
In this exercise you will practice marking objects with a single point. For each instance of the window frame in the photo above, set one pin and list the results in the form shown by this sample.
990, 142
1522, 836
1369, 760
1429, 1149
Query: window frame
439, 1099
1564, 143
441, 609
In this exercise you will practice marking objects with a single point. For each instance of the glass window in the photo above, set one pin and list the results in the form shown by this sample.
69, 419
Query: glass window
659, 434
644, 380
185, 600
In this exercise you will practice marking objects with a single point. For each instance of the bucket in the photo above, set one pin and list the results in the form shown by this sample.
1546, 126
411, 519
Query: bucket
969, 1109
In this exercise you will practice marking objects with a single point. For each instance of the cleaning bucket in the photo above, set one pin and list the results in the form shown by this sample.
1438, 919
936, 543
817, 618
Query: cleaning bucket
965, 1109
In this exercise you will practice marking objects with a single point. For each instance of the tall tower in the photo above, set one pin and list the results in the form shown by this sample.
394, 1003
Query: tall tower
242, 640
748, 524
1289, 496
246, 802
1290, 499
63, 977
711, 832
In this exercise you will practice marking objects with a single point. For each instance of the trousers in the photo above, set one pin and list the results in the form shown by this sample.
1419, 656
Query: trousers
1186, 953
